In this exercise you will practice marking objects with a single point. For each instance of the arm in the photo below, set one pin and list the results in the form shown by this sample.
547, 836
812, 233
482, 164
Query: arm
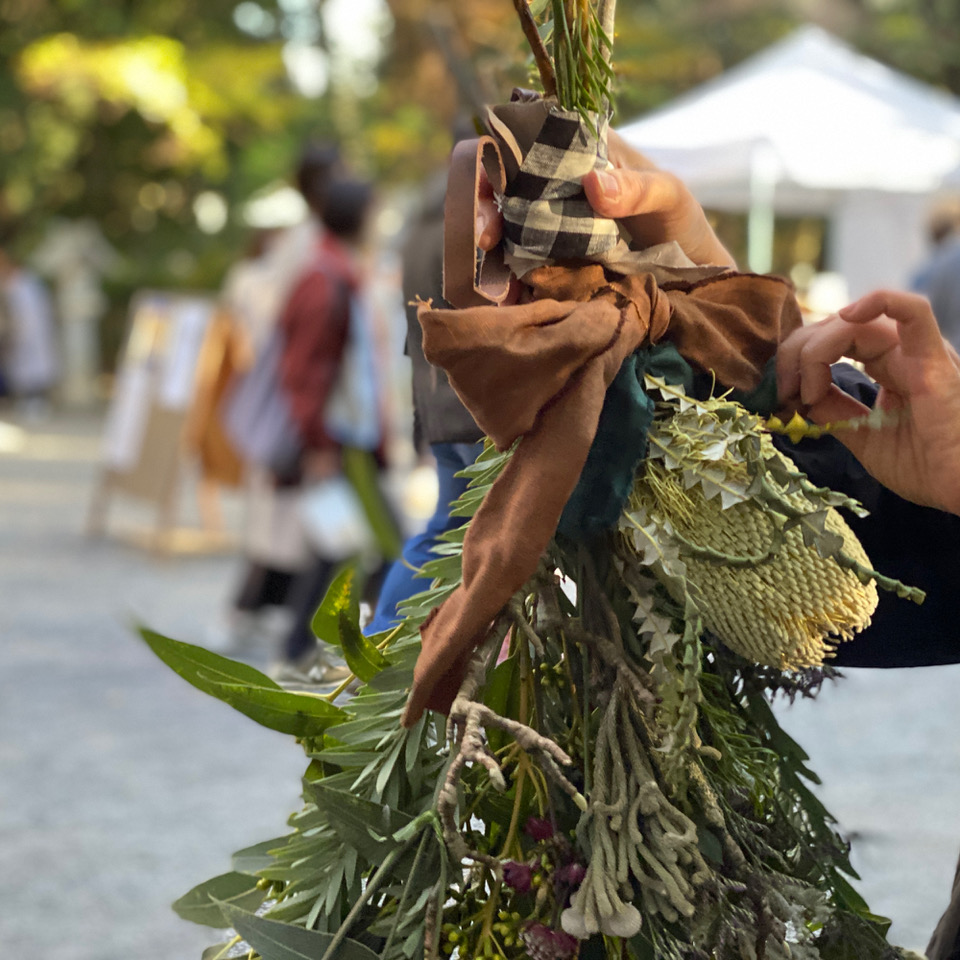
895, 336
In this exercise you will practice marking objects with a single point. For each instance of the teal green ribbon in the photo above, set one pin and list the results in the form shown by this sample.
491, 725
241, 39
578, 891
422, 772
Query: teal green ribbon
621, 440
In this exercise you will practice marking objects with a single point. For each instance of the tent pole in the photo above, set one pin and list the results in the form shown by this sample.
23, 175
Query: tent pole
764, 172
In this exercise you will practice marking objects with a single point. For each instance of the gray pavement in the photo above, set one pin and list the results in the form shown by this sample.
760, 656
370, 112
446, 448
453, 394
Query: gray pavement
885, 744
121, 786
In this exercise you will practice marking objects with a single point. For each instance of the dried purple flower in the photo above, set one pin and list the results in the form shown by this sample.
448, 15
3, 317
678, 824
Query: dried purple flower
519, 876
542, 943
538, 829
571, 874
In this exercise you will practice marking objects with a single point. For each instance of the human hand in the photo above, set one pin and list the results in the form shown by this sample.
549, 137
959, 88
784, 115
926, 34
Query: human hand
896, 337
654, 206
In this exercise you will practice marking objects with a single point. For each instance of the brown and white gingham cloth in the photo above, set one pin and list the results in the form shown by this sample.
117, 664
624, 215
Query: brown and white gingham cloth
545, 212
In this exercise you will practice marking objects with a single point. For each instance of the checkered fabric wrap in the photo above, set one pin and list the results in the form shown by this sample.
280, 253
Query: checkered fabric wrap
545, 211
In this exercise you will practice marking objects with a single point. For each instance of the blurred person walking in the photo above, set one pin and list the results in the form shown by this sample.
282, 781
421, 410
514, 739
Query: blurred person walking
938, 279
254, 293
331, 373
28, 337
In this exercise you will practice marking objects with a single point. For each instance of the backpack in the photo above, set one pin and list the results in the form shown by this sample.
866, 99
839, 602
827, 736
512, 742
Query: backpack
257, 416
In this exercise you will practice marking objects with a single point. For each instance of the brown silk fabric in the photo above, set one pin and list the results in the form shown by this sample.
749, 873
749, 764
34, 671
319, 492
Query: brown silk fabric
540, 371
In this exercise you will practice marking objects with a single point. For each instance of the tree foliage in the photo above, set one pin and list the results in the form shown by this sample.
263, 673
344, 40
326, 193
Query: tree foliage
125, 111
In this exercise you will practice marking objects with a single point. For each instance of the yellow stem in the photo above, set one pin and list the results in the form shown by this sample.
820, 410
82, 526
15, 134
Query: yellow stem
390, 637
227, 947
489, 912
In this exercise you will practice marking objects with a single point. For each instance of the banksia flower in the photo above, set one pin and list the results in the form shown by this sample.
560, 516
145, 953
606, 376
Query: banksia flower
760, 556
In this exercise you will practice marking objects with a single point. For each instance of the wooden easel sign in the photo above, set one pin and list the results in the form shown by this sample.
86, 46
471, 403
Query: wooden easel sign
155, 389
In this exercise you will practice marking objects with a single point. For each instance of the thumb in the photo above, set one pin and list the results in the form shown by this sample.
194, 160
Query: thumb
620, 193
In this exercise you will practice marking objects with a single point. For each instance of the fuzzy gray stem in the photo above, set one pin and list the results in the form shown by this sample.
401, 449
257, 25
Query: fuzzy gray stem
606, 14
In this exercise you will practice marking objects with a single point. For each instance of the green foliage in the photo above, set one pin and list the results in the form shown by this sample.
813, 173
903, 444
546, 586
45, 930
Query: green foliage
203, 904
726, 843
336, 622
304, 715
580, 53
341, 599
281, 941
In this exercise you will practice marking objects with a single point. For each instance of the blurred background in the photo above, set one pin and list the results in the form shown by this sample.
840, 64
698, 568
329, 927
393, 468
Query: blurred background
145, 150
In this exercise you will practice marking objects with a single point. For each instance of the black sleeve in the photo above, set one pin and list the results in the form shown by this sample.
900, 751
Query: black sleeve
918, 545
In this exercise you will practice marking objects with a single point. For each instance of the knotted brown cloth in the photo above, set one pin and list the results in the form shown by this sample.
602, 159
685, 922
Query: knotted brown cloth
540, 370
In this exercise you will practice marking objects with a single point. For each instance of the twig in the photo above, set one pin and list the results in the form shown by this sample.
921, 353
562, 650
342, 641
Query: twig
515, 609
606, 14
373, 885
431, 942
610, 647
547, 75
472, 719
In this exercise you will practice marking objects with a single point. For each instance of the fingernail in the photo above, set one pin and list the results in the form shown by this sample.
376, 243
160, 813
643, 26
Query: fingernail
609, 184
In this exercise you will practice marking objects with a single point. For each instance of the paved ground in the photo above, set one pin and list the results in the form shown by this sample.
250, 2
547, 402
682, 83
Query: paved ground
121, 786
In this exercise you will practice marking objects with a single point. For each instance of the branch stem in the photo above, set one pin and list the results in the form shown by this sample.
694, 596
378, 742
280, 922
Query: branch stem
542, 59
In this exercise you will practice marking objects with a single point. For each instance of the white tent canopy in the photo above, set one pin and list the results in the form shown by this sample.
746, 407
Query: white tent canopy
809, 126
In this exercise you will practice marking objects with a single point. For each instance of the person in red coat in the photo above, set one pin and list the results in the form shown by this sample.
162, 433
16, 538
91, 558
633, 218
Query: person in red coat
329, 373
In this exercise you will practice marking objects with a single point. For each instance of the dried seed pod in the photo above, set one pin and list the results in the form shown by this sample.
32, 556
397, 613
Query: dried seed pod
759, 586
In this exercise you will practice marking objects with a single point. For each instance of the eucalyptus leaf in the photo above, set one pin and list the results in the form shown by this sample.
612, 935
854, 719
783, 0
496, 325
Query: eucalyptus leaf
301, 714
216, 952
202, 903
252, 859
201, 667
412, 945
244, 688
359, 822
342, 597
345, 756
362, 657
282, 941
445, 568
386, 770
414, 736
360, 732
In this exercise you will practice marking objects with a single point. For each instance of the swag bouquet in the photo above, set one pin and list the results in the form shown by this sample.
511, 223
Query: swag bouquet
566, 747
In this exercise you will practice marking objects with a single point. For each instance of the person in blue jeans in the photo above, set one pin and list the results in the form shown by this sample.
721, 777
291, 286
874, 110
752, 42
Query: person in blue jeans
401, 581
441, 423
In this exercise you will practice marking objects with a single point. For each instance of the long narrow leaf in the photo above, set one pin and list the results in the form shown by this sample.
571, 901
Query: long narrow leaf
283, 941
342, 597
257, 857
202, 903
245, 689
300, 714
362, 657
201, 667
